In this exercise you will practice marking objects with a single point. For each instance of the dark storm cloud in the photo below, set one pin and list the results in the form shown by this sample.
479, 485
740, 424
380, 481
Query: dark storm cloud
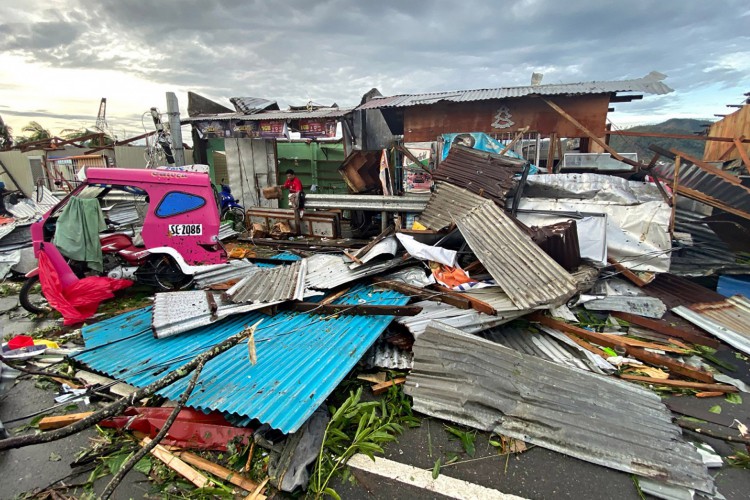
335, 50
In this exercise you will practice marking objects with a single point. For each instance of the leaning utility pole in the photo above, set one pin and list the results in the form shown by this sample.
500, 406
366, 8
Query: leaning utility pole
173, 114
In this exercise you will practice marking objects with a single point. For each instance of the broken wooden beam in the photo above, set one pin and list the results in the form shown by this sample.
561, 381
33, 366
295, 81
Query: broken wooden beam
743, 153
476, 304
706, 167
217, 470
49, 423
721, 388
177, 464
614, 154
636, 352
633, 277
384, 386
421, 293
665, 329
633, 133
356, 309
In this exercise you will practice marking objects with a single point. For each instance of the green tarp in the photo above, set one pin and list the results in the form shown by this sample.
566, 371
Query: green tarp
77, 231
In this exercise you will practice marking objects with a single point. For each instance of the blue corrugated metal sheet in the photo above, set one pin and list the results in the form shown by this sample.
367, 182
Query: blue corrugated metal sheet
301, 358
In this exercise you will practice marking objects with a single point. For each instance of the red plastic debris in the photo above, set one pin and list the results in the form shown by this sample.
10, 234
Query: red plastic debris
192, 429
80, 300
20, 341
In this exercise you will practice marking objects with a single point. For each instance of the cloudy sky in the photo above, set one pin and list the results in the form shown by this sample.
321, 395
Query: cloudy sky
58, 58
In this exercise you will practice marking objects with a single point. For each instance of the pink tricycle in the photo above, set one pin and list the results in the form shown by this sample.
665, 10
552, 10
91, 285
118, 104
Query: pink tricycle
173, 221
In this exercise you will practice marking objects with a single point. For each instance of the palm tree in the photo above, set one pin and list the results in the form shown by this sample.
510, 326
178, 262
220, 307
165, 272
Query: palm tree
6, 135
71, 134
36, 131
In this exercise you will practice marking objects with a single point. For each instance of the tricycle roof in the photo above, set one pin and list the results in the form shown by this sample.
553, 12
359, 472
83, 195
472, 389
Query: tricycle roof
125, 176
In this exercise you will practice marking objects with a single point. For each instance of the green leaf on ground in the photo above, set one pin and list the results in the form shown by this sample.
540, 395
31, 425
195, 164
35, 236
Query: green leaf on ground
715, 409
436, 469
734, 398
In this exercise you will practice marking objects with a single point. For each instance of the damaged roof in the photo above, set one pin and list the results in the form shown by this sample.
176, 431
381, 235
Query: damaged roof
529, 276
301, 358
649, 84
446, 203
480, 172
272, 115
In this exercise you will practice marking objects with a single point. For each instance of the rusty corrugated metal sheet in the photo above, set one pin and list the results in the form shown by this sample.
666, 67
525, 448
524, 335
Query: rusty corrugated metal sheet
650, 84
728, 320
472, 381
529, 276
560, 241
675, 291
480, 172
446, 203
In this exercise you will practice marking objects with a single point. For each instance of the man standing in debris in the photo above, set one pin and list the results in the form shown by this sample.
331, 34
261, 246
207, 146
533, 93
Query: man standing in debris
294, 185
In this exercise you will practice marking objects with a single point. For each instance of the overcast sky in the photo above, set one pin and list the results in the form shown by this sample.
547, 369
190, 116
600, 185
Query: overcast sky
59, 58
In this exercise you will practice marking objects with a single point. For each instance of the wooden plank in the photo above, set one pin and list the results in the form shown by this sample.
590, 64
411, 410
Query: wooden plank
448, 298
256, 495
335, 296
384, 386
177, 464
743, 153
647, 345
476, 304
591, 135
630, 275
636, 352
356, 309
217, 470
586, 345
551, 153
49, 423
665, 329
675, 183
413, 158
721, 388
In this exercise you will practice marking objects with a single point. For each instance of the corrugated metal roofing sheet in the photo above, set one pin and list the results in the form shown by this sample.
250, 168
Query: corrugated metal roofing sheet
529, 276
650, 84
446, 203
301, 358
385, 355
479, 172
698, 180
472, 381
178, 312
274, 284
221, 273
325, 272
728, 320
467, 320
251, 105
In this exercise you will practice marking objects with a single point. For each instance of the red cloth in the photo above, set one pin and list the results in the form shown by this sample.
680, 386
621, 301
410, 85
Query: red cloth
80, 300
294, 185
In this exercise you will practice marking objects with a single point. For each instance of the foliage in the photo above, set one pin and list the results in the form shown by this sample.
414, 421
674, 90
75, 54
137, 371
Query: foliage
707, 353
10, 288
358, 427
733, 398
467, 439
715, 409
35, 131
739, 459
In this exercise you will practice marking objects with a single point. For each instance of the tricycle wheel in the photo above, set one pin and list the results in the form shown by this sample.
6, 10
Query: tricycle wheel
167, 275
31, 297
236, 216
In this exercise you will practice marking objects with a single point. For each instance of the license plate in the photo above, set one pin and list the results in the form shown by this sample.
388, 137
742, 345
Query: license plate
186, 229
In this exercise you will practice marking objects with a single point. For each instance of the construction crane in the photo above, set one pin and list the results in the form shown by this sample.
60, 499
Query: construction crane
101, 120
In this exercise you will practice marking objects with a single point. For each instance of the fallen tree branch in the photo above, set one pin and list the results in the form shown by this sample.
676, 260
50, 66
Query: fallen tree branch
700, 429
30, 371
121, 404
125, 468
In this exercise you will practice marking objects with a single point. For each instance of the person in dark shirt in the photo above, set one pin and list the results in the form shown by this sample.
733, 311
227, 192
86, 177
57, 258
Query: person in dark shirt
294, 185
